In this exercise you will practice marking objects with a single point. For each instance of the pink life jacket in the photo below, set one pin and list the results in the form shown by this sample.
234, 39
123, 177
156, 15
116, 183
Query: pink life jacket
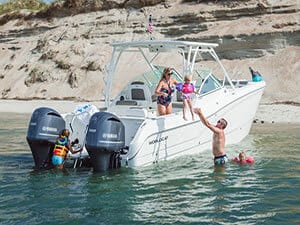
248, 160
188, 88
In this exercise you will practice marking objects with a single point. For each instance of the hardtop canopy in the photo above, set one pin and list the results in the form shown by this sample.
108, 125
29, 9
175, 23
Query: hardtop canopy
187, 49
158, 45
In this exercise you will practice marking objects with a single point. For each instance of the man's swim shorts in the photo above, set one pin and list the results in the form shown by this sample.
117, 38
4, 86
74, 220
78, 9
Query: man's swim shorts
220, 160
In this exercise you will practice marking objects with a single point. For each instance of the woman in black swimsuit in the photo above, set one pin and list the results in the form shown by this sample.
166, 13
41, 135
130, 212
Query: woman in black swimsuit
164, 91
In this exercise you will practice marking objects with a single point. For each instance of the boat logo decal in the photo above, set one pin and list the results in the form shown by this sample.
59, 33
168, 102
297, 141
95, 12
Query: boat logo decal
158, 140
109, 135
52, 129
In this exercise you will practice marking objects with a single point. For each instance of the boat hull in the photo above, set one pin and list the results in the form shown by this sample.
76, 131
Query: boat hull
174, 137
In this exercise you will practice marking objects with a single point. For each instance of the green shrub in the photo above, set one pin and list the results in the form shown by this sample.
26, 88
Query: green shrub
16, 5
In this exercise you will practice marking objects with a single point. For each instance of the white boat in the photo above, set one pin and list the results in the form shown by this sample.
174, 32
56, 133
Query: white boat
129, 131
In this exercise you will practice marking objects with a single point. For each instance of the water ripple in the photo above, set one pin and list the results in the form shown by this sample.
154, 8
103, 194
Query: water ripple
189, 190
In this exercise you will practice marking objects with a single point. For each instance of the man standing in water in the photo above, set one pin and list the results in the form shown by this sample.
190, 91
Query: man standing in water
218, 143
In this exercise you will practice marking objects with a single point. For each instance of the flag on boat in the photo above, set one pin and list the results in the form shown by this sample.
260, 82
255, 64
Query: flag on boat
150, 25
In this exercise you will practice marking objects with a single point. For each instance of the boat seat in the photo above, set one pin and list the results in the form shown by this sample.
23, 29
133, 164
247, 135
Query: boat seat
140, 93
126, 102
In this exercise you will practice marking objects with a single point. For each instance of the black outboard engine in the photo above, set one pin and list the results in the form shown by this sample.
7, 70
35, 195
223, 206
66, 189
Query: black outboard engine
104, 141
44, 127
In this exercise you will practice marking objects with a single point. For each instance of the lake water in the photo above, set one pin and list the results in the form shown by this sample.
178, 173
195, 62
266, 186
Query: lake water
188, 190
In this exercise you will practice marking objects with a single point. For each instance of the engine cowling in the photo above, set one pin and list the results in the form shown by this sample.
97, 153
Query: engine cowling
104, 141
43, 130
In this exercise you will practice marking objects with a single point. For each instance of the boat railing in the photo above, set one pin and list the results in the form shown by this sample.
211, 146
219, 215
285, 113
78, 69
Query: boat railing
237, 83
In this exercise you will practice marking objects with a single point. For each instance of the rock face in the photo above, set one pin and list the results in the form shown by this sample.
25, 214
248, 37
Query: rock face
61, 53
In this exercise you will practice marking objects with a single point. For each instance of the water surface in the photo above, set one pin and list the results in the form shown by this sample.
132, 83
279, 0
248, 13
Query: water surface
188, 190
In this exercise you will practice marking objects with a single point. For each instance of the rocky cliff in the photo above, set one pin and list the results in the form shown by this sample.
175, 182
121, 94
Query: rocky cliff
61, 52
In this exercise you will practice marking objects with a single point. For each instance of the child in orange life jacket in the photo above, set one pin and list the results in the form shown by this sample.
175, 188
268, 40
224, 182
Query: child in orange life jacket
187, 89
61, 149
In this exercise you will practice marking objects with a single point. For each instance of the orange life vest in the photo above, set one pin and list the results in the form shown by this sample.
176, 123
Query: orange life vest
60, 148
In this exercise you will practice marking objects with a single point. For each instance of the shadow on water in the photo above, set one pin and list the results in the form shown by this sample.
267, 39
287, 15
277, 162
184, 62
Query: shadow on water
219, 173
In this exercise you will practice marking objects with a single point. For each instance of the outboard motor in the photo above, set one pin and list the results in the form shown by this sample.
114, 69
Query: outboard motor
104, 141
44, 127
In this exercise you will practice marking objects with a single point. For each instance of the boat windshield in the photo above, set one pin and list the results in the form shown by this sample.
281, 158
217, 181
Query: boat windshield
151, 78
141, 71
147, 80
206, 81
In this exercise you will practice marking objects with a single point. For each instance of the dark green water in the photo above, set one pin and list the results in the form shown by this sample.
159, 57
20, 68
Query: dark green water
189, 190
